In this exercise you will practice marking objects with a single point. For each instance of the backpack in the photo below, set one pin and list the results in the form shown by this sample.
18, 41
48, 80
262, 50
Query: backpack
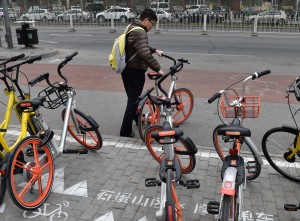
117, 57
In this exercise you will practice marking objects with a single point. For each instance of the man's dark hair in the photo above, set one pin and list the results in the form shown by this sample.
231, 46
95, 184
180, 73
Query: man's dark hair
148, 13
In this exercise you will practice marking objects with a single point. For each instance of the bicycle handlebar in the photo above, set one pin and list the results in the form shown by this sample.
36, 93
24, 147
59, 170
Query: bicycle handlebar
10, 68
45, 76
14, 58
63, 63
252, 77
173, 69
38, 79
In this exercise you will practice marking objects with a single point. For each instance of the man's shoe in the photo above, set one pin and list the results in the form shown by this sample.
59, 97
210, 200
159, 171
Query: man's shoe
132, 134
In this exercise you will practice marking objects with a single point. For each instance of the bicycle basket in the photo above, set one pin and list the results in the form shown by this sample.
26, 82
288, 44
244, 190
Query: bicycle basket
251, 107
54, 97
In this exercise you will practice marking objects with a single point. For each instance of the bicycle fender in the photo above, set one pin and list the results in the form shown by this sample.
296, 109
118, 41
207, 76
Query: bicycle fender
93, 123
164, 166
254, 149
228, 184
4, 163
140, 105
46, 136
285, 126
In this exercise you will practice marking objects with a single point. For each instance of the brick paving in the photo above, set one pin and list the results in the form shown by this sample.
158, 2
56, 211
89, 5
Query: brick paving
110, 183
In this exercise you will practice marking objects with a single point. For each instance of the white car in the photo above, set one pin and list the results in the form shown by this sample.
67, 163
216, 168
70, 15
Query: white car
194, 9
164, 16
270, 16
77, 15
38, 14
122, 14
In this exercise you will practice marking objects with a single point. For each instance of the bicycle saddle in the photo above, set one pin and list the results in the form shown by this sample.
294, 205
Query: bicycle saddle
31, 105
235, 130
167, 131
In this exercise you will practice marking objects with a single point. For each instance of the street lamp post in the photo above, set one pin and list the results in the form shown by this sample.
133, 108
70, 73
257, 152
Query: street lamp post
157, 31
8, 37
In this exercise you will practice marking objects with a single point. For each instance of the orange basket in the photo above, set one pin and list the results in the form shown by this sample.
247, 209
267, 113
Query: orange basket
251, 107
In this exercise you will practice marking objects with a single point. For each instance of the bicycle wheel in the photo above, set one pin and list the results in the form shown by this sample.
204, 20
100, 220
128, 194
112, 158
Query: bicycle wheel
30, 173
2, 186
150, 115
277, 144
224, 143
183, 101
229, 208
170, 212
187, 162
89, 135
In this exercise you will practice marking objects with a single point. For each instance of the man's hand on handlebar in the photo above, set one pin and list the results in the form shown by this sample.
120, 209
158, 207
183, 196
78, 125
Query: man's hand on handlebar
160, 72
159, 53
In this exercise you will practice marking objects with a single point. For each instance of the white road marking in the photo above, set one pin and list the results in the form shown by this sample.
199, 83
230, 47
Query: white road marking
52, 42
106, 217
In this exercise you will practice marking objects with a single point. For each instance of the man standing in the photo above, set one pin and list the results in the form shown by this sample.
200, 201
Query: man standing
133, 75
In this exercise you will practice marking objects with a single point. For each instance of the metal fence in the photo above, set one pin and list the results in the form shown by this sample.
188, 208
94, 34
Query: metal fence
233, 23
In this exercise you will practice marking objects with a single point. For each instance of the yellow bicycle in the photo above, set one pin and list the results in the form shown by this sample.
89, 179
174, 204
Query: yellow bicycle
26, 119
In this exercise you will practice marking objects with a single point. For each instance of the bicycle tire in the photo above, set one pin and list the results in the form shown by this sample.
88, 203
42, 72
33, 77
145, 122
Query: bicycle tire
150, 115
29, 184
90, 139
187, 162
170, 212
277, 143
182, 100
225, 208
221, 147
2, 188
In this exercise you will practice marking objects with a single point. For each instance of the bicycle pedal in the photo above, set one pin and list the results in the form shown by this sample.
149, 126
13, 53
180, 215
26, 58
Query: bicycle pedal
251, 166
152, 182
291, 207
190, 184
79, 151
213, 207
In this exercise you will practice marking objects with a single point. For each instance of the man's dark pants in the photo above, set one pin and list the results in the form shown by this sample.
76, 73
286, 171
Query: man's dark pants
134, 80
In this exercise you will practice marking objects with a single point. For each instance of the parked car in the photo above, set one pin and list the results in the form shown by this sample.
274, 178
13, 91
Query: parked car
197, 15
221, 13
122, 14
195, 8
270, 16
13, 14
77, 15
164, 16
160, 6
38, 14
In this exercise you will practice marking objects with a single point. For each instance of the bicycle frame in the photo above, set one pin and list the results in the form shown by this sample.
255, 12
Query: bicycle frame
71, 104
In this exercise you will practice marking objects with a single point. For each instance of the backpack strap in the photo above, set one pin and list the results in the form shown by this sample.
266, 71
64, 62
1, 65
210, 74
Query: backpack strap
127, 32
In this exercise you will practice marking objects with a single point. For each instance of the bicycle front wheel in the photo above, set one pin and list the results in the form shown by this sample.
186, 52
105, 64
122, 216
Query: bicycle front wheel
224, 143
183, 101
89, 136
187, 162
277, 145
2, 188
150, 115
30, 173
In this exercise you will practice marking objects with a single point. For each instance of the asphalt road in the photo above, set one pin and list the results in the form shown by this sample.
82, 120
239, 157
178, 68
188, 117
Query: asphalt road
225, 57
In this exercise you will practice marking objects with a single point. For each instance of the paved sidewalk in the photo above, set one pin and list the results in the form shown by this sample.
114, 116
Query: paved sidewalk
108, 184
6, 52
